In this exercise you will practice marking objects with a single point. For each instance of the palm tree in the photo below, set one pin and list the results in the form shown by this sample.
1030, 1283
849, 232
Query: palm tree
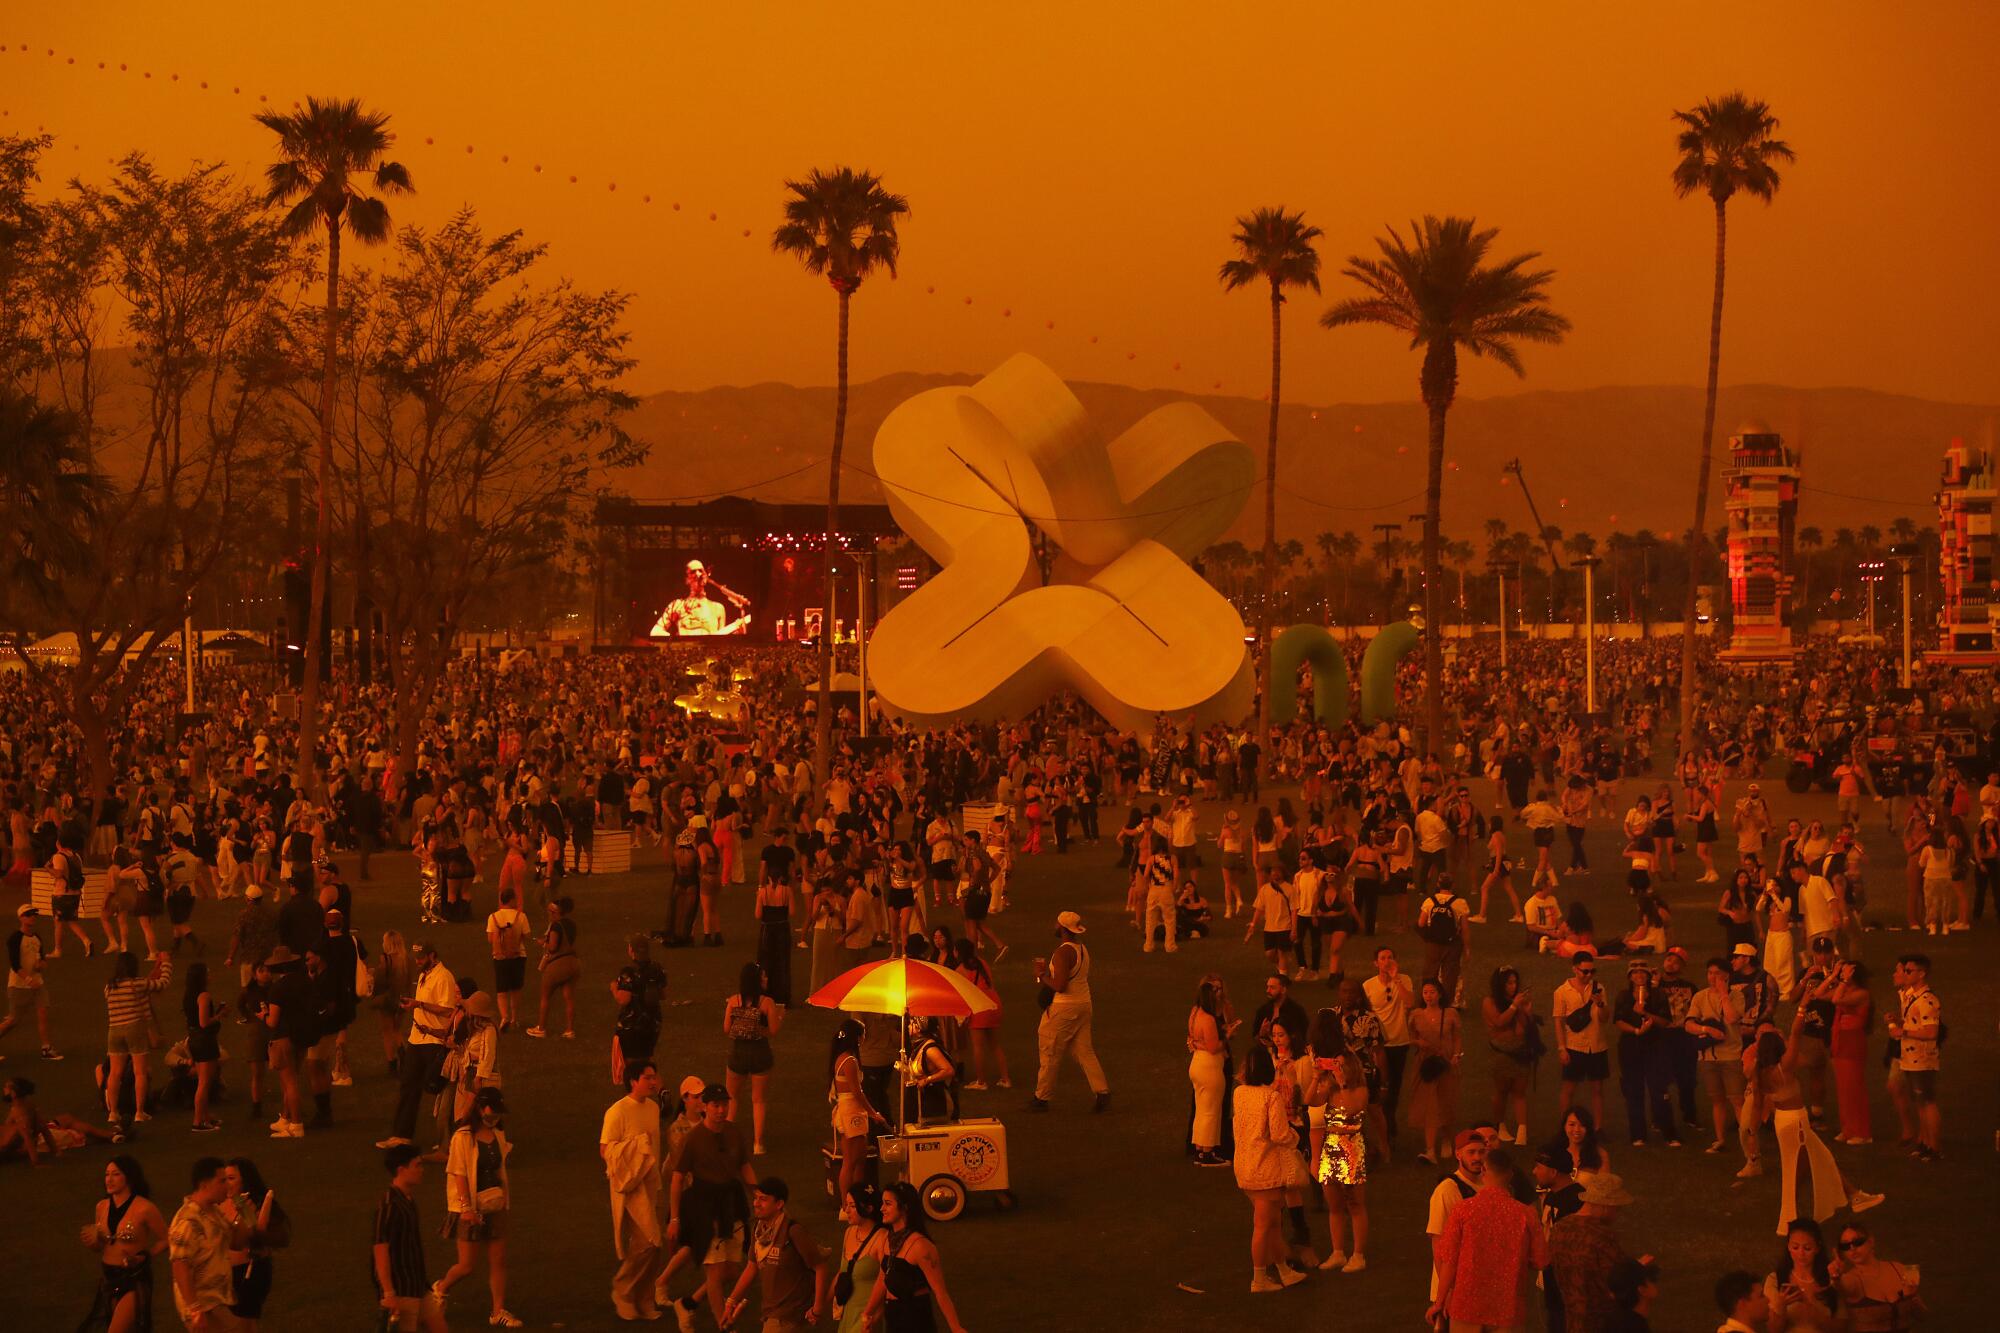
1871, 538
1726, 144
1902, 529
1327, 542
1496, 533
48, 493
329, 155
1438, 290
1810, 539
1460, 555
1290, 552
841, 225
1347, 546
1274, 247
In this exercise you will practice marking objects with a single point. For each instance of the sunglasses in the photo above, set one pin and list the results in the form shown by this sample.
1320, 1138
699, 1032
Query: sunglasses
1586, 971
1854, 1244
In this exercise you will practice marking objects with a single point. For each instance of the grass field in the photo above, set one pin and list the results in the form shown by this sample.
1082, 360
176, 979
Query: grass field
1113, 1222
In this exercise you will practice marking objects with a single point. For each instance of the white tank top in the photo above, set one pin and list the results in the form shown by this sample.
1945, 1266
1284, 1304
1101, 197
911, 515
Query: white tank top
1078, 991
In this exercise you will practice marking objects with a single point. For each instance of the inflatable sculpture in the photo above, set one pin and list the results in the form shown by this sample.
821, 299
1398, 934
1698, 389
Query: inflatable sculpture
1311, 646
971, 473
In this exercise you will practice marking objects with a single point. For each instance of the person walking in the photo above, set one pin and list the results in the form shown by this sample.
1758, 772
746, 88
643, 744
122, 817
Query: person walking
794, 1279
863, 1247
1342, 1166
560, 968
911, 1292
630, 1144
126, 1232
479, 1199
707, 1182
1391, 997
1268, 1164
1064, 978
1581, 1014
199, 1242
401, 1285
750, 1018
507, 937
27, 989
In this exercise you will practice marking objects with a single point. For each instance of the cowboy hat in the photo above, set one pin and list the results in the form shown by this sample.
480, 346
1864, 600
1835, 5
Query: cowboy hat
1070, 922
1606, 1190
480, 1005
280, 955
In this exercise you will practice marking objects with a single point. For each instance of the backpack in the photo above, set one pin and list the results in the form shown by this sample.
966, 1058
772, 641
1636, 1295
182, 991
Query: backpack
1440, 926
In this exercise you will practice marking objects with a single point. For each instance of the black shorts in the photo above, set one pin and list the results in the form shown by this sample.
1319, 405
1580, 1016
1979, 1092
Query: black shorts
750, 1057
148, 902
1586, 1067
944, 872
901, 899
509, 974
1344, 922
66, 905
1280, 940
637, 1045
1545, 837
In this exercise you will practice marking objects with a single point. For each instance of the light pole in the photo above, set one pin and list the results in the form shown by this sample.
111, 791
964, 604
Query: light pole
1905, 555
1589, 564
861, 563
1499, 568
1871, 574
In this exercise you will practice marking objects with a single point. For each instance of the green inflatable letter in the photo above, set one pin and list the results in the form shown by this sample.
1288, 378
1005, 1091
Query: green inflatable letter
1378, 670
1311, 645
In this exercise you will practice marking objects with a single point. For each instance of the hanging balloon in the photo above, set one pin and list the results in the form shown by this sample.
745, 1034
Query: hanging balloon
1007, 313
468, 148
505, 158
968, 300
746, 231
572, 180
711, 217
677, 208
1129, 356
614, 185
1216, 385
1357, 428
1051, 324
1315, 416
538, 168
428, 140
1093, 338
930, 291
1177, 365
1402, 448
645, 198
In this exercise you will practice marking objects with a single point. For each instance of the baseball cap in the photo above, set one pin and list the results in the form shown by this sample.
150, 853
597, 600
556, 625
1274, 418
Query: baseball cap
26, 909
253, 891
1555, 1159
1677, 952
693, 1084
1745, 951
1070, 922
1466, 1136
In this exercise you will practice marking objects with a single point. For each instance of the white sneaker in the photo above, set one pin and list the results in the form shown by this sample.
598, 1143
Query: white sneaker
1479, 920
1332, 1262
1263, 1281
1290, 1276
1861, 1200
1753, 1167
1354, 1265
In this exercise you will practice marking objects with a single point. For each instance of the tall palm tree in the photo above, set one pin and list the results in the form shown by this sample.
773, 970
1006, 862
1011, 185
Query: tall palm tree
1276, 248
1346, 546
1727, 144
1460, 554
841, 225
1902, 529
1871, 538
1327, 542
330, 154
1437, 289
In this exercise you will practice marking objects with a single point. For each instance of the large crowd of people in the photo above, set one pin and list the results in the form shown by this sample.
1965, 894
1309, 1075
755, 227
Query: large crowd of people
1359, 863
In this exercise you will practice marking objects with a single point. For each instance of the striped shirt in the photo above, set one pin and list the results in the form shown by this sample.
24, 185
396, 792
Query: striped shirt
397, 1226
130, 1000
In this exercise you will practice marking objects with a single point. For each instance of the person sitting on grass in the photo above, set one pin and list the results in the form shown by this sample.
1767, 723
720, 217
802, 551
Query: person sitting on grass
28, 1131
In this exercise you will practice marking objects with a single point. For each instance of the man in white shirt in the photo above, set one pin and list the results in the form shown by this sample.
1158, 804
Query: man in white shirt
423, 1052
1470, 1149
1391, 997
633, 1154
1433, 841
1745, 1309
1820, 904
1181, 834
26, 988
1581, 1012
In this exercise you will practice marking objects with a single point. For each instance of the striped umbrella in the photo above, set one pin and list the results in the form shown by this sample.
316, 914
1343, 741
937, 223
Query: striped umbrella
903, 986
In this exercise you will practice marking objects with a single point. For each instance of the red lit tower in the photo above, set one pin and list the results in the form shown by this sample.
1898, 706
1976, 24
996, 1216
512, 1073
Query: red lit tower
1763, 504
1969, 616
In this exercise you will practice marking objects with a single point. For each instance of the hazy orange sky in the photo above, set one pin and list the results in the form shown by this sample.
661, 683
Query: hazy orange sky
1081, 163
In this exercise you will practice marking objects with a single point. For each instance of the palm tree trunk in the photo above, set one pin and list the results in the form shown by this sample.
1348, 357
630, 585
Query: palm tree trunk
823, 722
1270, 541
304, 765
1440, 381
1698, 534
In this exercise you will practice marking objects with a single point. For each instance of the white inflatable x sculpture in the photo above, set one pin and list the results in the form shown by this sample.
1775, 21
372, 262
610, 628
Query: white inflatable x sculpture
1123, 619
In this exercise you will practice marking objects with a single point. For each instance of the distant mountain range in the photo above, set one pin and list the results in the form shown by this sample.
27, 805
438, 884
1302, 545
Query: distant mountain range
1596, 460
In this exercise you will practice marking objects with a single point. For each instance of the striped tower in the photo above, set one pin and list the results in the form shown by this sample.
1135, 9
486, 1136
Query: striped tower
1763, 503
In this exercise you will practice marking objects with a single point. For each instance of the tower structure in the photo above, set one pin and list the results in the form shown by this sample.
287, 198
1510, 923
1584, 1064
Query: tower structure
1763, 503
1969, 613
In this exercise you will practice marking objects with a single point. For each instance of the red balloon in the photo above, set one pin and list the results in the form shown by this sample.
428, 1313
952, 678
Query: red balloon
711, 217
1093, 337
1051, 324
538, 167
428, 140
1008, 313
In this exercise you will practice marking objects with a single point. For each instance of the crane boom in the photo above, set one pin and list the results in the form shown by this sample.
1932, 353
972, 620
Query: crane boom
1541, 528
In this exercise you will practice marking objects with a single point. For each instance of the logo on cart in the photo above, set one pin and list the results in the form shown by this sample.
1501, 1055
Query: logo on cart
974, 1158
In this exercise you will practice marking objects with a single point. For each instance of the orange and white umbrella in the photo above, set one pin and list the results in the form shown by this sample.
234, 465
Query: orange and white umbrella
903, 986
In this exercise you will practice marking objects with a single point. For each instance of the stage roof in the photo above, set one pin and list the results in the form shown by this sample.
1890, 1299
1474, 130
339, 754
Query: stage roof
754, 520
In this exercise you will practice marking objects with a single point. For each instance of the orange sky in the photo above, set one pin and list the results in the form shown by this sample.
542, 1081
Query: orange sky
1082, 163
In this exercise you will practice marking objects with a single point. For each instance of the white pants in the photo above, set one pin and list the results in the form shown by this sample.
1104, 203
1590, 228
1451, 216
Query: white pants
1778, 956
1160, 910
1829, 1195
1205, 1073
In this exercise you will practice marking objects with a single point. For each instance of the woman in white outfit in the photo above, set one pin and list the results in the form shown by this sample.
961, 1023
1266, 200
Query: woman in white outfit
1769, 1068
1777, 906
1207, 1048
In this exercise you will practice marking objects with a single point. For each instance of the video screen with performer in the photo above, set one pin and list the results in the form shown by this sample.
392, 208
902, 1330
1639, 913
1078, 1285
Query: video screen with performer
707, 596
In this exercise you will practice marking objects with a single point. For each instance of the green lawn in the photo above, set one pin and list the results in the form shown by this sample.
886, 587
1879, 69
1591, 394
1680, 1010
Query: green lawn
1113, 1222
